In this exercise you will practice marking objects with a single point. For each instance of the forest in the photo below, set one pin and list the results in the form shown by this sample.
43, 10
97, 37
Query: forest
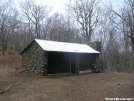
84, 21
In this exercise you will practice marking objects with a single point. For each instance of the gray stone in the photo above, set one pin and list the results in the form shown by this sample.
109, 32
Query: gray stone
34, 59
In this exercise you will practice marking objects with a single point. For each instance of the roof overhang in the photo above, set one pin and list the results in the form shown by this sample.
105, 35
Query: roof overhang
65, 47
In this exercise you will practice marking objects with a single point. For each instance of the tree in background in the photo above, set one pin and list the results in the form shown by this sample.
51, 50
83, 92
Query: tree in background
86, 14
60, 28
35, 14
123, 23
86, 20
8, 23
126, 16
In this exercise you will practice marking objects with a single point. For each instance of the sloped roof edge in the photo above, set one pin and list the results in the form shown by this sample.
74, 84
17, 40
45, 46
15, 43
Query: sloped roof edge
26, 47
65, 47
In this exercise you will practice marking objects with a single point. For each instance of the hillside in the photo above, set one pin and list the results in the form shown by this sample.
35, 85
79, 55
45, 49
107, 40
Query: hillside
10, 60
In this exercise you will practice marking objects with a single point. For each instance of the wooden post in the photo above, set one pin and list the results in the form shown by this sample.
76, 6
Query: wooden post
78, 63
76, 67
47, 62
70, 63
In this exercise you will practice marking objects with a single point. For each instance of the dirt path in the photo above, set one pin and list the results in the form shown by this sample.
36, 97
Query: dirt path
85, 87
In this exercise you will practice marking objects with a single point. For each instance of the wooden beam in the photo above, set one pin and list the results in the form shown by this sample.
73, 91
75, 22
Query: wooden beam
76, 67
70, 63
78, 63
47, 61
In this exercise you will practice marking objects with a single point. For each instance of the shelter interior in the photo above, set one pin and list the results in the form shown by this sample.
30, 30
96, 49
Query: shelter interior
67, 62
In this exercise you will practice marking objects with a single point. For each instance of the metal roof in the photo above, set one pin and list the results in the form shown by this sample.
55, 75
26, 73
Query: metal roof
65, 47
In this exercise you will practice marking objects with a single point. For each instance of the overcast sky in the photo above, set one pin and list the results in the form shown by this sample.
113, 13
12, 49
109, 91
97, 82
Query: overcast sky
59, 5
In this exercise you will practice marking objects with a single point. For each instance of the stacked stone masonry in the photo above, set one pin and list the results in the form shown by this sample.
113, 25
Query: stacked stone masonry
34, 59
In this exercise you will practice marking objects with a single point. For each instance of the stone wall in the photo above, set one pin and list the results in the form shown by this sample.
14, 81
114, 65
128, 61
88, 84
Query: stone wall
99, 63
34, 59
97, 46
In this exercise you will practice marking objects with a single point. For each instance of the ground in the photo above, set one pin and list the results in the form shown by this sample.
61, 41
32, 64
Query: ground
85, 87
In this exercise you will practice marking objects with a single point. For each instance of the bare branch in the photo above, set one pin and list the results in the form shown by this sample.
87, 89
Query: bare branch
7, 89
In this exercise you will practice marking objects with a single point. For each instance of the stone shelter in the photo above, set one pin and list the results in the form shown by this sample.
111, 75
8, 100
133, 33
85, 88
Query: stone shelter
52, 57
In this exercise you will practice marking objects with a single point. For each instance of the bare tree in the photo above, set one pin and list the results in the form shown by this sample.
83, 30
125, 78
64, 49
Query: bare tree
35, 14
118, 55
85, 13
60, 28
8, 22
126, 16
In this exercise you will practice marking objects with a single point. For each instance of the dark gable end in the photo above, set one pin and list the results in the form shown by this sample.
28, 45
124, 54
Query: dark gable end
34, 58
26, 48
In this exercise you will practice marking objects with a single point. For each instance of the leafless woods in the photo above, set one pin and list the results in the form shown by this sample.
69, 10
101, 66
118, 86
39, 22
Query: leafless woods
84, 21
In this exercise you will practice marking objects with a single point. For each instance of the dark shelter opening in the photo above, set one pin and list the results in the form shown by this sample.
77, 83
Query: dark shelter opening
67, 62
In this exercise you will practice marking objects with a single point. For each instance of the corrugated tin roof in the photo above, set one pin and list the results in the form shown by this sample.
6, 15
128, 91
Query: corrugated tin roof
65, 47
